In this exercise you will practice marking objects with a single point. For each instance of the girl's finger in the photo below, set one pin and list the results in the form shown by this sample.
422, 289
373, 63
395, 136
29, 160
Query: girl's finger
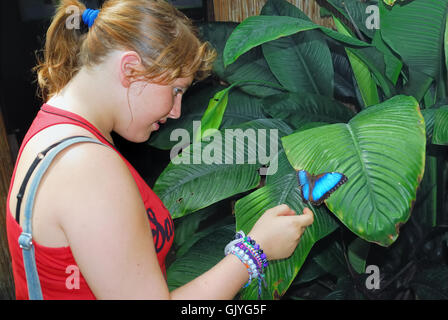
305, 219
282, 210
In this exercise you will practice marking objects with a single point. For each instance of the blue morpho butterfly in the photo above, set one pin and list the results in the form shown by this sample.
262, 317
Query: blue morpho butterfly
317, 188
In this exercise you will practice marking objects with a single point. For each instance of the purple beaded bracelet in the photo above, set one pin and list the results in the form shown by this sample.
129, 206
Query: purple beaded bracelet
251, 255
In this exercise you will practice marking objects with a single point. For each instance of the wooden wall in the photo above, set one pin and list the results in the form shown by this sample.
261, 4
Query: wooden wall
238, 10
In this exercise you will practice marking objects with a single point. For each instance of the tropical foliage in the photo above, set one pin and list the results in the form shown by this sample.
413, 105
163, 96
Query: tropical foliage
370, 103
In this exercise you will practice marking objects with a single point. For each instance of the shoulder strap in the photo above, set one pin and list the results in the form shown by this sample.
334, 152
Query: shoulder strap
33, 166
25, 239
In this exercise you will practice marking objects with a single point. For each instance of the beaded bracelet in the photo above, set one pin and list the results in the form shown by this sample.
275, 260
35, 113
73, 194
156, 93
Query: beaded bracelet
251, 255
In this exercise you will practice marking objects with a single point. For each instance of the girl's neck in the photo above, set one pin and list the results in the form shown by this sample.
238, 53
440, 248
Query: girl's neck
84, 96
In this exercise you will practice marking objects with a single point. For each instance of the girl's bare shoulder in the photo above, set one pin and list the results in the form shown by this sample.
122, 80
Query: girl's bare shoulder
83, 181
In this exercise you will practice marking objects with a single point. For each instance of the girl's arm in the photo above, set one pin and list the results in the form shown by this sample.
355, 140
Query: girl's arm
105, 222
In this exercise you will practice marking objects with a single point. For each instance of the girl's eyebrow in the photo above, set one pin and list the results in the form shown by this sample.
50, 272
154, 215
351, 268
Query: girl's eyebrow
184, 84
187, 86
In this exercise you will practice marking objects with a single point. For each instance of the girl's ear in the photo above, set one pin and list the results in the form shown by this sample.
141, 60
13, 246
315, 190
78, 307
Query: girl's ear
129, 63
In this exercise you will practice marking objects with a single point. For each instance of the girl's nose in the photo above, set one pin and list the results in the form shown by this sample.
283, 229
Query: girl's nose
176, 110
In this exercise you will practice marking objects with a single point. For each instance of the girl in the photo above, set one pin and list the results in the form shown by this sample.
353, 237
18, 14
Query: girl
94, 221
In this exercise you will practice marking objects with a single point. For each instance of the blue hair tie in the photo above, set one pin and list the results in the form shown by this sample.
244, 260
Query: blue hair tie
89, 16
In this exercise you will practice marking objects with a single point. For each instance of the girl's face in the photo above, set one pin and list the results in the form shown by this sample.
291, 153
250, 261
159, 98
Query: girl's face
150, 105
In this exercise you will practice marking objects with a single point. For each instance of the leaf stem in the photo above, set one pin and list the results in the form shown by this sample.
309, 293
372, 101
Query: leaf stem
358, 32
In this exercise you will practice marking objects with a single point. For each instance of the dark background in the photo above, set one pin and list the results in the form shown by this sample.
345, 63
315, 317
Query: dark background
23, 27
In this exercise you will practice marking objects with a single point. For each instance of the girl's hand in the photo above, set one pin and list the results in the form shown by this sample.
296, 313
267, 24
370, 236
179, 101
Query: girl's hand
279, 229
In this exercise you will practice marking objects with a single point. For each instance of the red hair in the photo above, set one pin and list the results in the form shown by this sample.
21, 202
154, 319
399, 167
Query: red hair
163, 36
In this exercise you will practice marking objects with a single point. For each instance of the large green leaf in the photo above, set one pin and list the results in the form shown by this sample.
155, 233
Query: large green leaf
344, 87
369, 63
446, 44
366, 84
257, 30
416, 31
440, 135
332, 260
214, 113
357, 253
201, 257
241, 107
436, 121
302, 61
297, 109
250, 66
393, 64
418, 84
207, 172
281, 273
187, 233
382, 153
356, 12
425, 210
430, 116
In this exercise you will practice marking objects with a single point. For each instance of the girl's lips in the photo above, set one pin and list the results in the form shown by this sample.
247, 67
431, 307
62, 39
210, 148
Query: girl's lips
158, 123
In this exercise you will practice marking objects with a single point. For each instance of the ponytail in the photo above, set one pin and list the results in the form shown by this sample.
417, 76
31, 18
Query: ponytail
61, 54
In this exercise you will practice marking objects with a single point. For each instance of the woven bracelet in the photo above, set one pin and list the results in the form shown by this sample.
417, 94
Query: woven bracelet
251, 255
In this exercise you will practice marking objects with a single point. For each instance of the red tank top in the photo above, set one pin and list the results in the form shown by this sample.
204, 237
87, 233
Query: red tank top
54, 275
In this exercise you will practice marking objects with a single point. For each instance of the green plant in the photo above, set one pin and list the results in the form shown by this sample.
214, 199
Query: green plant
369, 103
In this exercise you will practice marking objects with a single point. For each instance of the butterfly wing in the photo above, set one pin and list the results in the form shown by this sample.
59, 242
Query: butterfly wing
325, 184
305, 184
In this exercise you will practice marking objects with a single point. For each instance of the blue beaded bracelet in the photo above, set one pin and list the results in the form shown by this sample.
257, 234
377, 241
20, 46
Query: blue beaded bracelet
251, 255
